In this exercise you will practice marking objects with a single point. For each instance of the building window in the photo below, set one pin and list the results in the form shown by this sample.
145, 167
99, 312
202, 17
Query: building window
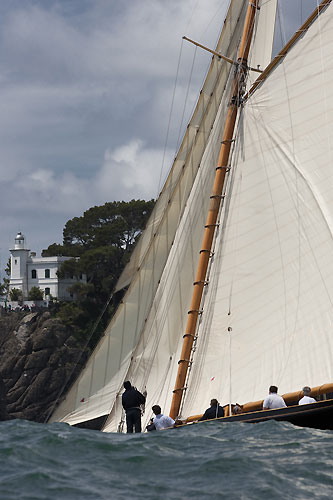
47, 292
33, 274
15, 261
47, 273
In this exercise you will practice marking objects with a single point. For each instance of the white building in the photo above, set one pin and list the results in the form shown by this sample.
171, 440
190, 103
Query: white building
28, 271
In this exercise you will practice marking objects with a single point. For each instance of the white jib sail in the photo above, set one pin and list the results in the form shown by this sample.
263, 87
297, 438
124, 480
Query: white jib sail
268, 314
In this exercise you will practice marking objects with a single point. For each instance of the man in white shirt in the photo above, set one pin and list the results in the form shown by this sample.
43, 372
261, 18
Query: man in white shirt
306, 399
273, 400
161, 421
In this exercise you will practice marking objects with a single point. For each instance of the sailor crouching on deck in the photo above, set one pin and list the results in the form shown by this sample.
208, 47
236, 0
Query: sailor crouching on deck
273, 400
131, 401
214, 411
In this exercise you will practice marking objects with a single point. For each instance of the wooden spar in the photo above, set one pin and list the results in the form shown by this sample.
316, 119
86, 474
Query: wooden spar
215, 201
217, 54
288, 46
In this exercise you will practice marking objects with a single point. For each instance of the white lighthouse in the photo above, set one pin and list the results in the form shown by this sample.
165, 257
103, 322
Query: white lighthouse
19, 264
28, 271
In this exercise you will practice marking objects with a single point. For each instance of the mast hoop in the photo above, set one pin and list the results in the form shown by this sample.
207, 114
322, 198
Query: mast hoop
205, 250
201, 282
220, 196
198, 311
190, 335
188, 361
179, 389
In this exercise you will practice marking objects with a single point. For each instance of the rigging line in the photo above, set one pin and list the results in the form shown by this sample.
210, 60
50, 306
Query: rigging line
185, 101
170, 115
192, 15
215, 16
157, 394
200, 177
202, 342
292, 338
156, 338
206, 109
149, 358
322, 61
85, 345
135, 340
257, 121
281, 25
238, 134
196, 375
177, 249
216, 46
234, 192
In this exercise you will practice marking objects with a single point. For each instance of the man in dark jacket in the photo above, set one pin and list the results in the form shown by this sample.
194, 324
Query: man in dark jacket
214, 411
131, 400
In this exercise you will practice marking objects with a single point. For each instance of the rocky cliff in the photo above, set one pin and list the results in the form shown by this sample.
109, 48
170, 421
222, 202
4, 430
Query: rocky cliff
39, 358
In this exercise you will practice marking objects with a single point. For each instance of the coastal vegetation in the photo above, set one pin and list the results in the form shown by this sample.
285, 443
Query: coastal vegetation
100, 243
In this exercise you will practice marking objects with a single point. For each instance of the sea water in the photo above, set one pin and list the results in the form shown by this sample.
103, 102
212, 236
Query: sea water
269, 460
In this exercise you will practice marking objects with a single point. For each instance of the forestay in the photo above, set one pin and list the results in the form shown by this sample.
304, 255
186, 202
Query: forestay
268, 313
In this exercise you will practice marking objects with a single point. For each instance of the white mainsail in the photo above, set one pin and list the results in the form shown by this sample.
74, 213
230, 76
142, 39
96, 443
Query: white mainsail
269, 308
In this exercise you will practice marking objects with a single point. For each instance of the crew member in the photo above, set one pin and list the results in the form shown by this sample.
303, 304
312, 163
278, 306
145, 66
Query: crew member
161, 421
273, 400
306, 399
214, 411
131, 401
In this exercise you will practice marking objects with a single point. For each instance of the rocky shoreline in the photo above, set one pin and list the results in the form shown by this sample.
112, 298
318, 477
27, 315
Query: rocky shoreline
39, 359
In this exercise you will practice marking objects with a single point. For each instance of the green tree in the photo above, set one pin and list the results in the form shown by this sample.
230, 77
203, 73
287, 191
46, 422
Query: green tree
35, 293
101, 240
115, 223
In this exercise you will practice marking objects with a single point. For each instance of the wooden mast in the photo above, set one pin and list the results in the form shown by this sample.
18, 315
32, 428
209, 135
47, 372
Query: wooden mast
215, 201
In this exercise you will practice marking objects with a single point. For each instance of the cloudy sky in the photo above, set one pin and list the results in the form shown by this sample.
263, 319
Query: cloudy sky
86, 93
